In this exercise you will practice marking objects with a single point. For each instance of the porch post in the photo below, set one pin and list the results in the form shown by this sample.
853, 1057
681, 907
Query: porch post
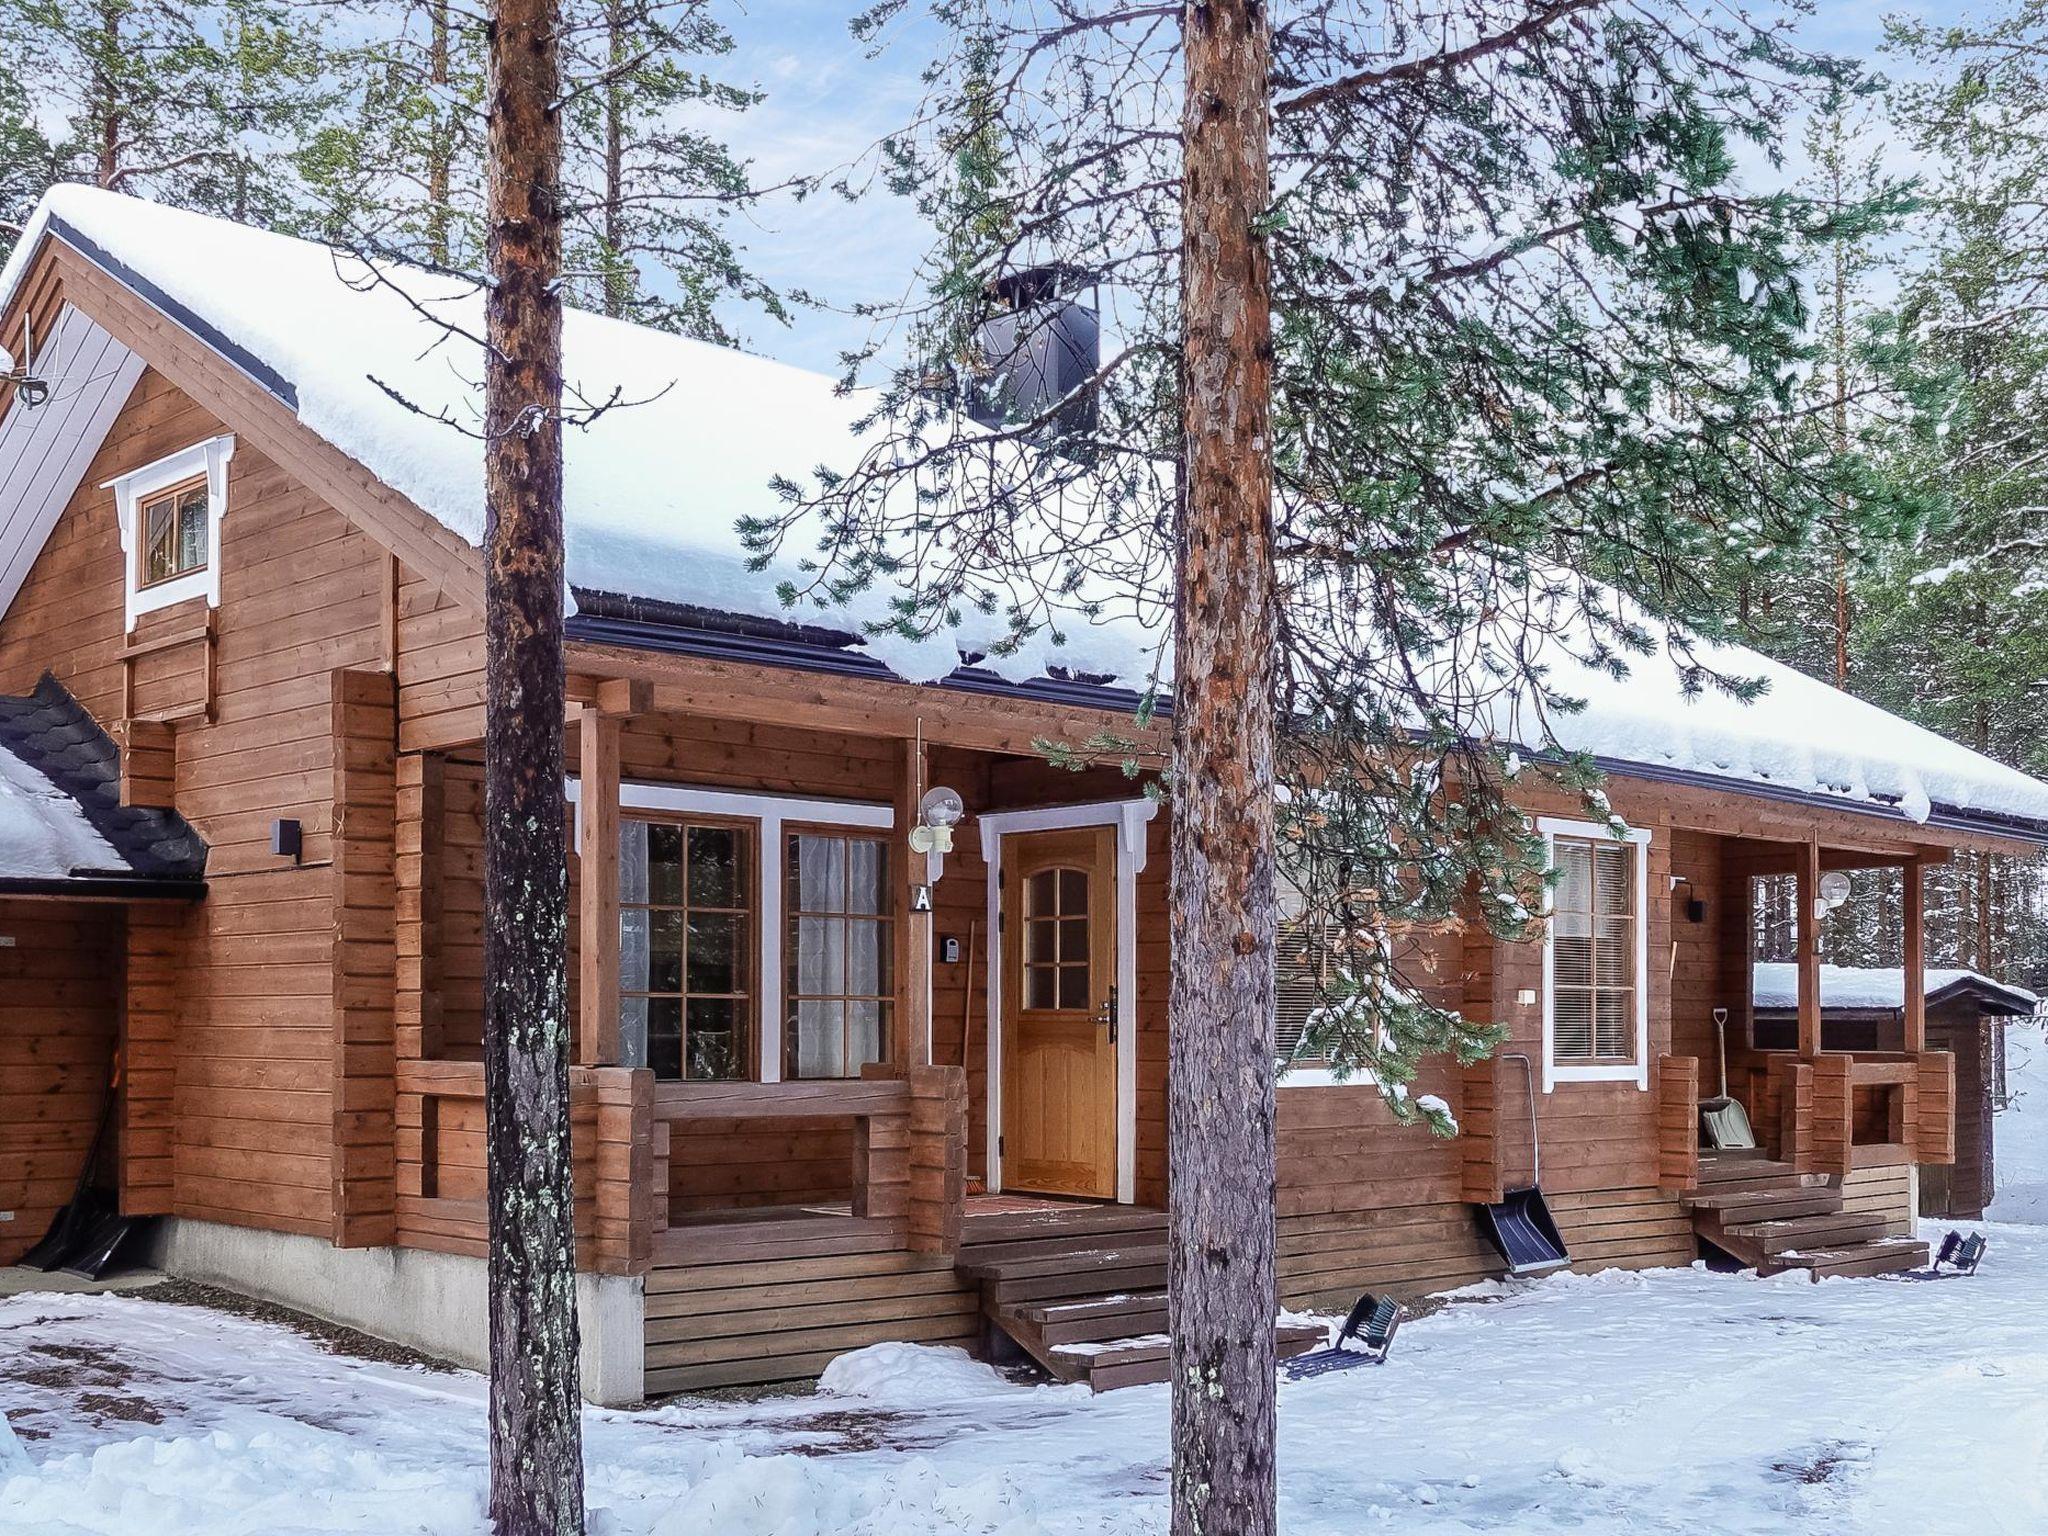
1809, 949
597, 826
1915, 958
914, 929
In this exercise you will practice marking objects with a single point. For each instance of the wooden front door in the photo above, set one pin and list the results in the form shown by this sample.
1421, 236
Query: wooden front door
1059, 1012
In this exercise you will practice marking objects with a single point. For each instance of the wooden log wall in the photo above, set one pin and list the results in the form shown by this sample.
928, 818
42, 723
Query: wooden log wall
149, 1001
1696, 968
60, 1017
1677, 1082
363, 710
1480, 1108
249, 1055
1962, 1188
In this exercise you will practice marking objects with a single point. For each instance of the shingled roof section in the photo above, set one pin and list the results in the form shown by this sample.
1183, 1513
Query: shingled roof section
52, 733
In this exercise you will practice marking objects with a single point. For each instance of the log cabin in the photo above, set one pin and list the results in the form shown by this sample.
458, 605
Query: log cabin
826, 1091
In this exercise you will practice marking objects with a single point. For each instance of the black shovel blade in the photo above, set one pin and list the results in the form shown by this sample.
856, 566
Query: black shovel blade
93, 1254
50, 1249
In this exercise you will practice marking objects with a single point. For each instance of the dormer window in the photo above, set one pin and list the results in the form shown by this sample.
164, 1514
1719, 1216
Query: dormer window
170, 514
175, 534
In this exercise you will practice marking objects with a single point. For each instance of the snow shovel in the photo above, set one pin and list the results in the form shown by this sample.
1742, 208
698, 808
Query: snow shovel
1723, 1120
1961, 1255
1365, 1338
88, 1208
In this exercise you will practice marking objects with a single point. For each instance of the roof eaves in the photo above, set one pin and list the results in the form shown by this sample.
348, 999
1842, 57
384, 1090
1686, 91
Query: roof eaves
807, 649
104, 887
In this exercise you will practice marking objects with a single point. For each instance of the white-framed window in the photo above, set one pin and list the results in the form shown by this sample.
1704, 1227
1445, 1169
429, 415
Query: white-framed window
716, 958
1596, 955
170, 513
842, 941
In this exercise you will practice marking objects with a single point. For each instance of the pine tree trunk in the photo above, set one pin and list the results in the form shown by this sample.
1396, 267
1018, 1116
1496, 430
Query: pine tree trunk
440, 137
616, 289
1221, 1070
536, 1450
106, 100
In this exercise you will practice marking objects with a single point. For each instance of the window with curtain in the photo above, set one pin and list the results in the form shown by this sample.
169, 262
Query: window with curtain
174, 533
686, 947
1594, 911
841, 938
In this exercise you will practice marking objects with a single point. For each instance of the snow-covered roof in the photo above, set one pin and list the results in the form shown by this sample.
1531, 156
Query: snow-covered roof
61, 817
655, 488
1879, 987
44, 833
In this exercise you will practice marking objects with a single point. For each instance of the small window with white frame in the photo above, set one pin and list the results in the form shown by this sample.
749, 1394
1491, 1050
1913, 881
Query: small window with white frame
170, 514
175, 536
1595, 956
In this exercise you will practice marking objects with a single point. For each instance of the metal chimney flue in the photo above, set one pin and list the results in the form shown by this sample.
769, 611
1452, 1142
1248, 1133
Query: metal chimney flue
1038, 346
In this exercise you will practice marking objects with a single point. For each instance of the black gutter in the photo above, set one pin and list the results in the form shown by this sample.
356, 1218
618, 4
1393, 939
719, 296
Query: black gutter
757, 646
273, 381
805, 649
103, 887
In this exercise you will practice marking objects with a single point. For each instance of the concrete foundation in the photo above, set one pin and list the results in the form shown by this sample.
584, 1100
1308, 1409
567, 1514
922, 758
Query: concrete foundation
437, 1303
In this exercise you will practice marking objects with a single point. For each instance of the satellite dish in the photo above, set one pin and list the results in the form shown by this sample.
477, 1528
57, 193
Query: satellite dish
1834, 889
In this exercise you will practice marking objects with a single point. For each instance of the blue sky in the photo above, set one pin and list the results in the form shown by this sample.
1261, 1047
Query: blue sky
826, 103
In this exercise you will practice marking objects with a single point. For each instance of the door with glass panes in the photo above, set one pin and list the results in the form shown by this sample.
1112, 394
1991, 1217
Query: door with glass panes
1059, 1012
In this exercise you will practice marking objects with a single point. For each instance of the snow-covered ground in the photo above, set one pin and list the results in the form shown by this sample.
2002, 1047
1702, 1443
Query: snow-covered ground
1669, 1402
2019, 1133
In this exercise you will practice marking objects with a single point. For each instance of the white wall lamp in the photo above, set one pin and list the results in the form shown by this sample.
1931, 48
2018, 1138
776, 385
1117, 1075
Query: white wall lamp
938, 813
1834, 890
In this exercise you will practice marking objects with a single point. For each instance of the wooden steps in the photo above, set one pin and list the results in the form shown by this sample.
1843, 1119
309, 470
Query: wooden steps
1772, 1218
1083, 1292
1144, 1359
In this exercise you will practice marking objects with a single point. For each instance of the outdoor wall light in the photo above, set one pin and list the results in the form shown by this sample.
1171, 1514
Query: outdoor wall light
1834, 890
1695, 905
938, 813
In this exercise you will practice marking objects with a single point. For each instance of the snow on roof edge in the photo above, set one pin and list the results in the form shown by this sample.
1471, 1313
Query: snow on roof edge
1775, 985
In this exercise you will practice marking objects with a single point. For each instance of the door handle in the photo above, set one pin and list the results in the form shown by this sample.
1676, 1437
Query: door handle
1107, 1014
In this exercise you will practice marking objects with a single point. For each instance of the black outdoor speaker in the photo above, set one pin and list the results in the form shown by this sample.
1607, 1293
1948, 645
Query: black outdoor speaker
286, 838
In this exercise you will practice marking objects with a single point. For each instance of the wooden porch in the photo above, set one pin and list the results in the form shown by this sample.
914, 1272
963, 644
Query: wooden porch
1825, 1121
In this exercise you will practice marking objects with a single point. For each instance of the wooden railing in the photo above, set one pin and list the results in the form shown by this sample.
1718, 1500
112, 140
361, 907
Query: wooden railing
615, 1144
1678, 1123
1812, 1108
909, 1147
